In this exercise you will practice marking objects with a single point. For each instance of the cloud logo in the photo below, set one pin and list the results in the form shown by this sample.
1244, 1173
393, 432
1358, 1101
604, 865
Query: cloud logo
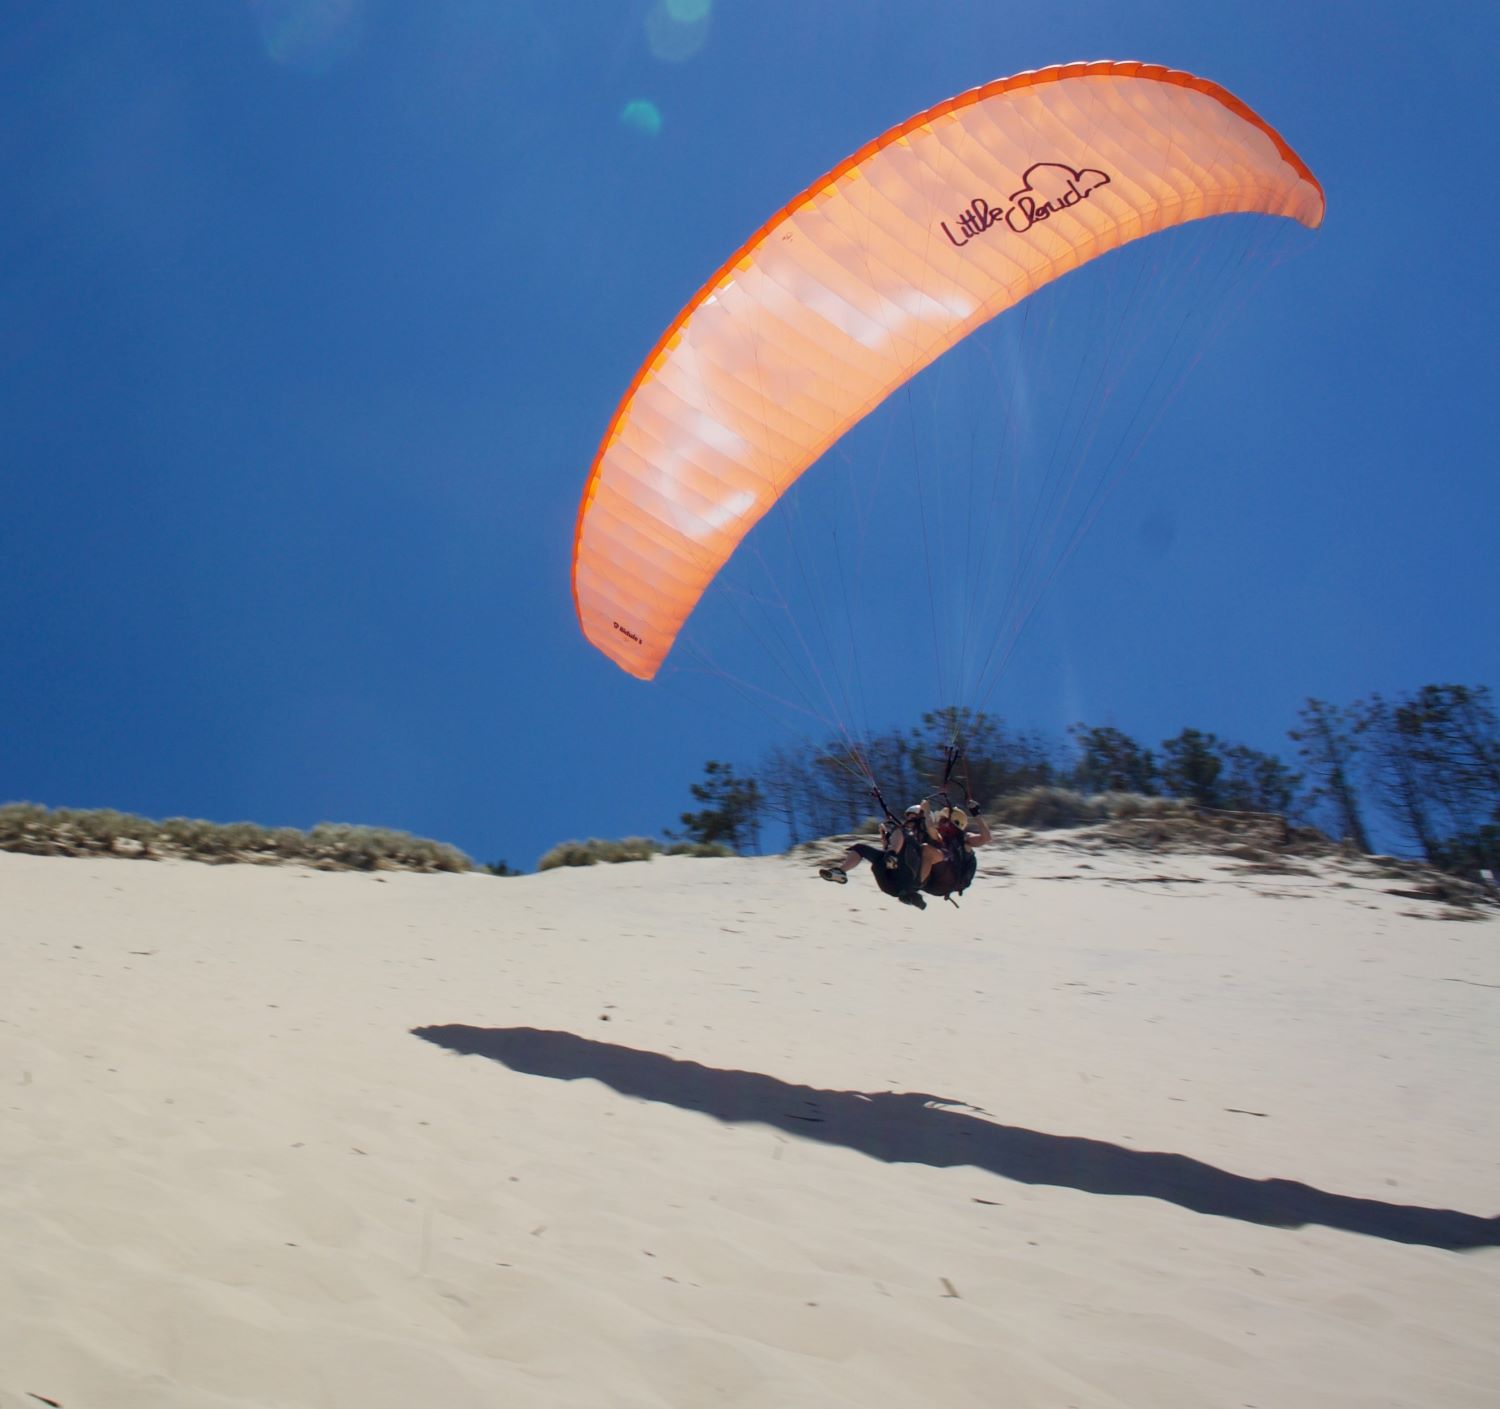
1050, 187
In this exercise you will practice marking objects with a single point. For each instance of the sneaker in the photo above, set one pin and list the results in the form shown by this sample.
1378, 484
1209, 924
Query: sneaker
916, 898
834, 874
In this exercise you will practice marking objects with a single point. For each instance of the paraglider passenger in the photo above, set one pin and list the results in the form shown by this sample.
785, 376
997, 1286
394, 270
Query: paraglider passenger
900, 863
959, 831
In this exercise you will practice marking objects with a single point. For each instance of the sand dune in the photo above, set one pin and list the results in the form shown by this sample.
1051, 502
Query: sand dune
1122, 1131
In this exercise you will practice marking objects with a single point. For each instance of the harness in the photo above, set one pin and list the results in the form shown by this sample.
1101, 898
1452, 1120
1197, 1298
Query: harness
962, 872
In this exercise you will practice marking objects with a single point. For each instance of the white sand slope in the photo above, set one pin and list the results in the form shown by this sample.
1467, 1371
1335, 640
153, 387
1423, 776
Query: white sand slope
1122, 1131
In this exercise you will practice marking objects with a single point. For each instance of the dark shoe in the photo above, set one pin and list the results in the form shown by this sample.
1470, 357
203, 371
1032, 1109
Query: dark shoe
916, 898
834, 874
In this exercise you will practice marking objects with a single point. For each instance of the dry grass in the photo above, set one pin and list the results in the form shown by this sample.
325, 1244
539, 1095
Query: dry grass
1046, 809
330, 846
595, 851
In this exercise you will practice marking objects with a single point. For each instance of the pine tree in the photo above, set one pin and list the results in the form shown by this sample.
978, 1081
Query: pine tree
1328, 742
732, 809
1112, 762
1191, 767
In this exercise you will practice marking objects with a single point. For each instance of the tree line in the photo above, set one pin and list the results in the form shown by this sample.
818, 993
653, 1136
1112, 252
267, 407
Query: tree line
1424, 766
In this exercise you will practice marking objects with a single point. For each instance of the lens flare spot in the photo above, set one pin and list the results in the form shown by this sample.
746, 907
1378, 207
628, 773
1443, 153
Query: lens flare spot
312, 35
676, 40
642, 116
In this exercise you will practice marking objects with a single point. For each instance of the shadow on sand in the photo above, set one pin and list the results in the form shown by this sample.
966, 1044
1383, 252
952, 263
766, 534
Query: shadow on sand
912, 1128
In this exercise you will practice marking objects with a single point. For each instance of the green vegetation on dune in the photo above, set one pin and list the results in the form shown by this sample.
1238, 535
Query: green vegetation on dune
330, 846
594, 851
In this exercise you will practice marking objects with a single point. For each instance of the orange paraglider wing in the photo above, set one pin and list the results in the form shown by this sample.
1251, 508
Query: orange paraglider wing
867, 277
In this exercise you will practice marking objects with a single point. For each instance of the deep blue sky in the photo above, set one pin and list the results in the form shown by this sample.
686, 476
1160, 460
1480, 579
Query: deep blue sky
314, 312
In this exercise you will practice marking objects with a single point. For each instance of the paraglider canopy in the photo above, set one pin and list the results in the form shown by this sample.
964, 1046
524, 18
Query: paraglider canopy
869, 275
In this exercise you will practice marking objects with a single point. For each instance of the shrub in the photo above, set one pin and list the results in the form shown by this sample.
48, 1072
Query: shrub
241, 836
1040, 808
570, 853
186, 833
1044, 808
595, 850
19, 819
698, 848
365, 848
